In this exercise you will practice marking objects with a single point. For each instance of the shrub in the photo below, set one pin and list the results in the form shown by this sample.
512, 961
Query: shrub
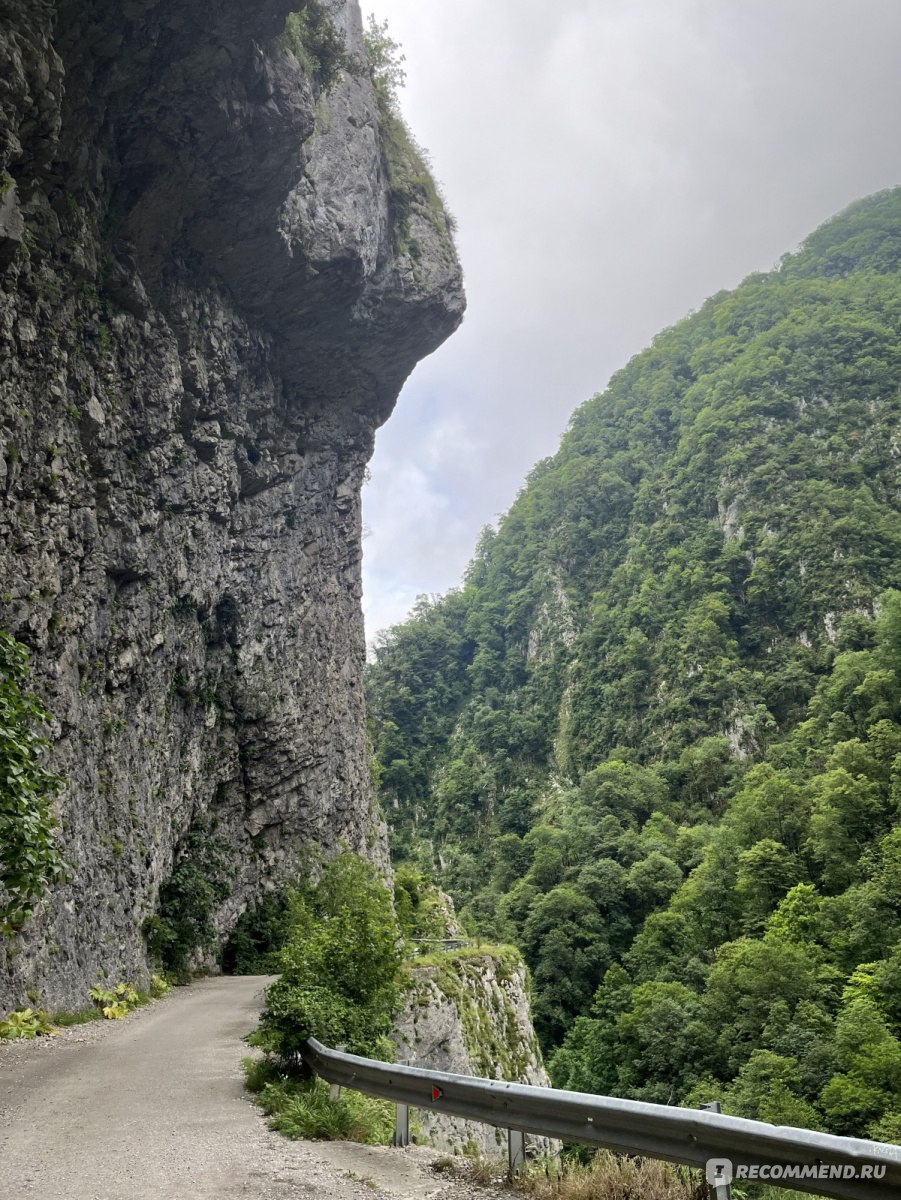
610, 1177
316, 43
411, 185
420, 909
340, 968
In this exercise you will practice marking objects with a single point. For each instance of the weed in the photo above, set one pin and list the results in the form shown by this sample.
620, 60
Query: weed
116, 1003
26, 1024
158, 987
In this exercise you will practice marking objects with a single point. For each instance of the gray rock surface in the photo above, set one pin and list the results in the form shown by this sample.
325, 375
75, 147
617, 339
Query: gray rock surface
206, 309
470, 1014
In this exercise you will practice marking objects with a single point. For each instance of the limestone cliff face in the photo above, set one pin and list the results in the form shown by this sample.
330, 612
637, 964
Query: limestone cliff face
468, 1012
205, 313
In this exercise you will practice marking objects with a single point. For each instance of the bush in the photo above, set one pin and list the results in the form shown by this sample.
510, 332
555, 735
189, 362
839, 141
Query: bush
421, 911
340, 968
158, 987
317, 45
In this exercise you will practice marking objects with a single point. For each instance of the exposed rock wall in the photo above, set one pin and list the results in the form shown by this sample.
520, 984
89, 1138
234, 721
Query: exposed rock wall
468, 1013
205, 313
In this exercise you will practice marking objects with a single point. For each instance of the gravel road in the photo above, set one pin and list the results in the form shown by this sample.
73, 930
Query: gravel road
153, 1108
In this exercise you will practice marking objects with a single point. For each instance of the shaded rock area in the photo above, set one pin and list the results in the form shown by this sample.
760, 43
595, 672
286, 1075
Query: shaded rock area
468, 1012
205, 312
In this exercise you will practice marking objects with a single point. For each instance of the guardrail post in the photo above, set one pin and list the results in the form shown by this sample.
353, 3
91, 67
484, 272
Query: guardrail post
334, 1090
722, 1191
516, 1150
402, 1126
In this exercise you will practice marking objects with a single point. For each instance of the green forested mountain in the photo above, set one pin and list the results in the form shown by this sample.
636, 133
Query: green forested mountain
654, 738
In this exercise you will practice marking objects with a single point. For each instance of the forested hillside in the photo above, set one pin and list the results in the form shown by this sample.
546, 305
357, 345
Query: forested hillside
654, 739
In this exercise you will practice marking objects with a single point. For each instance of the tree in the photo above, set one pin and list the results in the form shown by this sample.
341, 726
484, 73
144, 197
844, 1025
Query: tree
765, 1089
867, 1085
340, 968
766, 872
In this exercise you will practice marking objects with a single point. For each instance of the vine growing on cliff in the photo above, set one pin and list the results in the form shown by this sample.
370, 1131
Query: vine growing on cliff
29, 858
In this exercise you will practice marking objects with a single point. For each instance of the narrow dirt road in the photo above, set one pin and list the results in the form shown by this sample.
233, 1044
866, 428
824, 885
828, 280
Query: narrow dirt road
154, 1109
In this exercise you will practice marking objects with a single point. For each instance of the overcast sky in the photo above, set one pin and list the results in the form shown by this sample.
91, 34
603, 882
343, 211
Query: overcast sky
610, 163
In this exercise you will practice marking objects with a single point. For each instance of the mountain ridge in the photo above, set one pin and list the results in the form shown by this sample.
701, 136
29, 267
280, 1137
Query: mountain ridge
663, 614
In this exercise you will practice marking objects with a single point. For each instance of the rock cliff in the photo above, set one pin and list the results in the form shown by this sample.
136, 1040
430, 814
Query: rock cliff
209, 301
468, 1012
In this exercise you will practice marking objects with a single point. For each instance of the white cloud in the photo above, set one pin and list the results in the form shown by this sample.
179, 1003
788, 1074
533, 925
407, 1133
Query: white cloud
611, 163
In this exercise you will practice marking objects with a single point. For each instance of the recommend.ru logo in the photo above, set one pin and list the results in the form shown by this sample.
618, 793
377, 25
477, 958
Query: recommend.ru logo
720, 1172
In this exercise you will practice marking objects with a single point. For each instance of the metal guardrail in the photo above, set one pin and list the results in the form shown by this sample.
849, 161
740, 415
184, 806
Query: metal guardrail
424, 945
678, 1135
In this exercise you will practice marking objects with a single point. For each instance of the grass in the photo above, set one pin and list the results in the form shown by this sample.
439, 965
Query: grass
81, 1016
411, 185
303, 1108
609, 1177
614, 1177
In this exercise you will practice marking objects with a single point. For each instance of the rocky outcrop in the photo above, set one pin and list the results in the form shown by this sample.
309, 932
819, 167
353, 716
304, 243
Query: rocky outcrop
206, 310
468, 1012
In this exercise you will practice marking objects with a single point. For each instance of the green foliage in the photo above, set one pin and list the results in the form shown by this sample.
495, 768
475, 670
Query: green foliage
788, 990
260, 935
29, 858
198, 883
385, 60
340, 968
654, 739
421, 913
315, 41
26, 1024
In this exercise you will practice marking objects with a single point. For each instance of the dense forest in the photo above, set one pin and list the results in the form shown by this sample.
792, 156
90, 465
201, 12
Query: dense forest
654, 740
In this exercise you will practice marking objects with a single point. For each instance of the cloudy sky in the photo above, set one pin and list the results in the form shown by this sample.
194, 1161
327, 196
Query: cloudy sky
610, 163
